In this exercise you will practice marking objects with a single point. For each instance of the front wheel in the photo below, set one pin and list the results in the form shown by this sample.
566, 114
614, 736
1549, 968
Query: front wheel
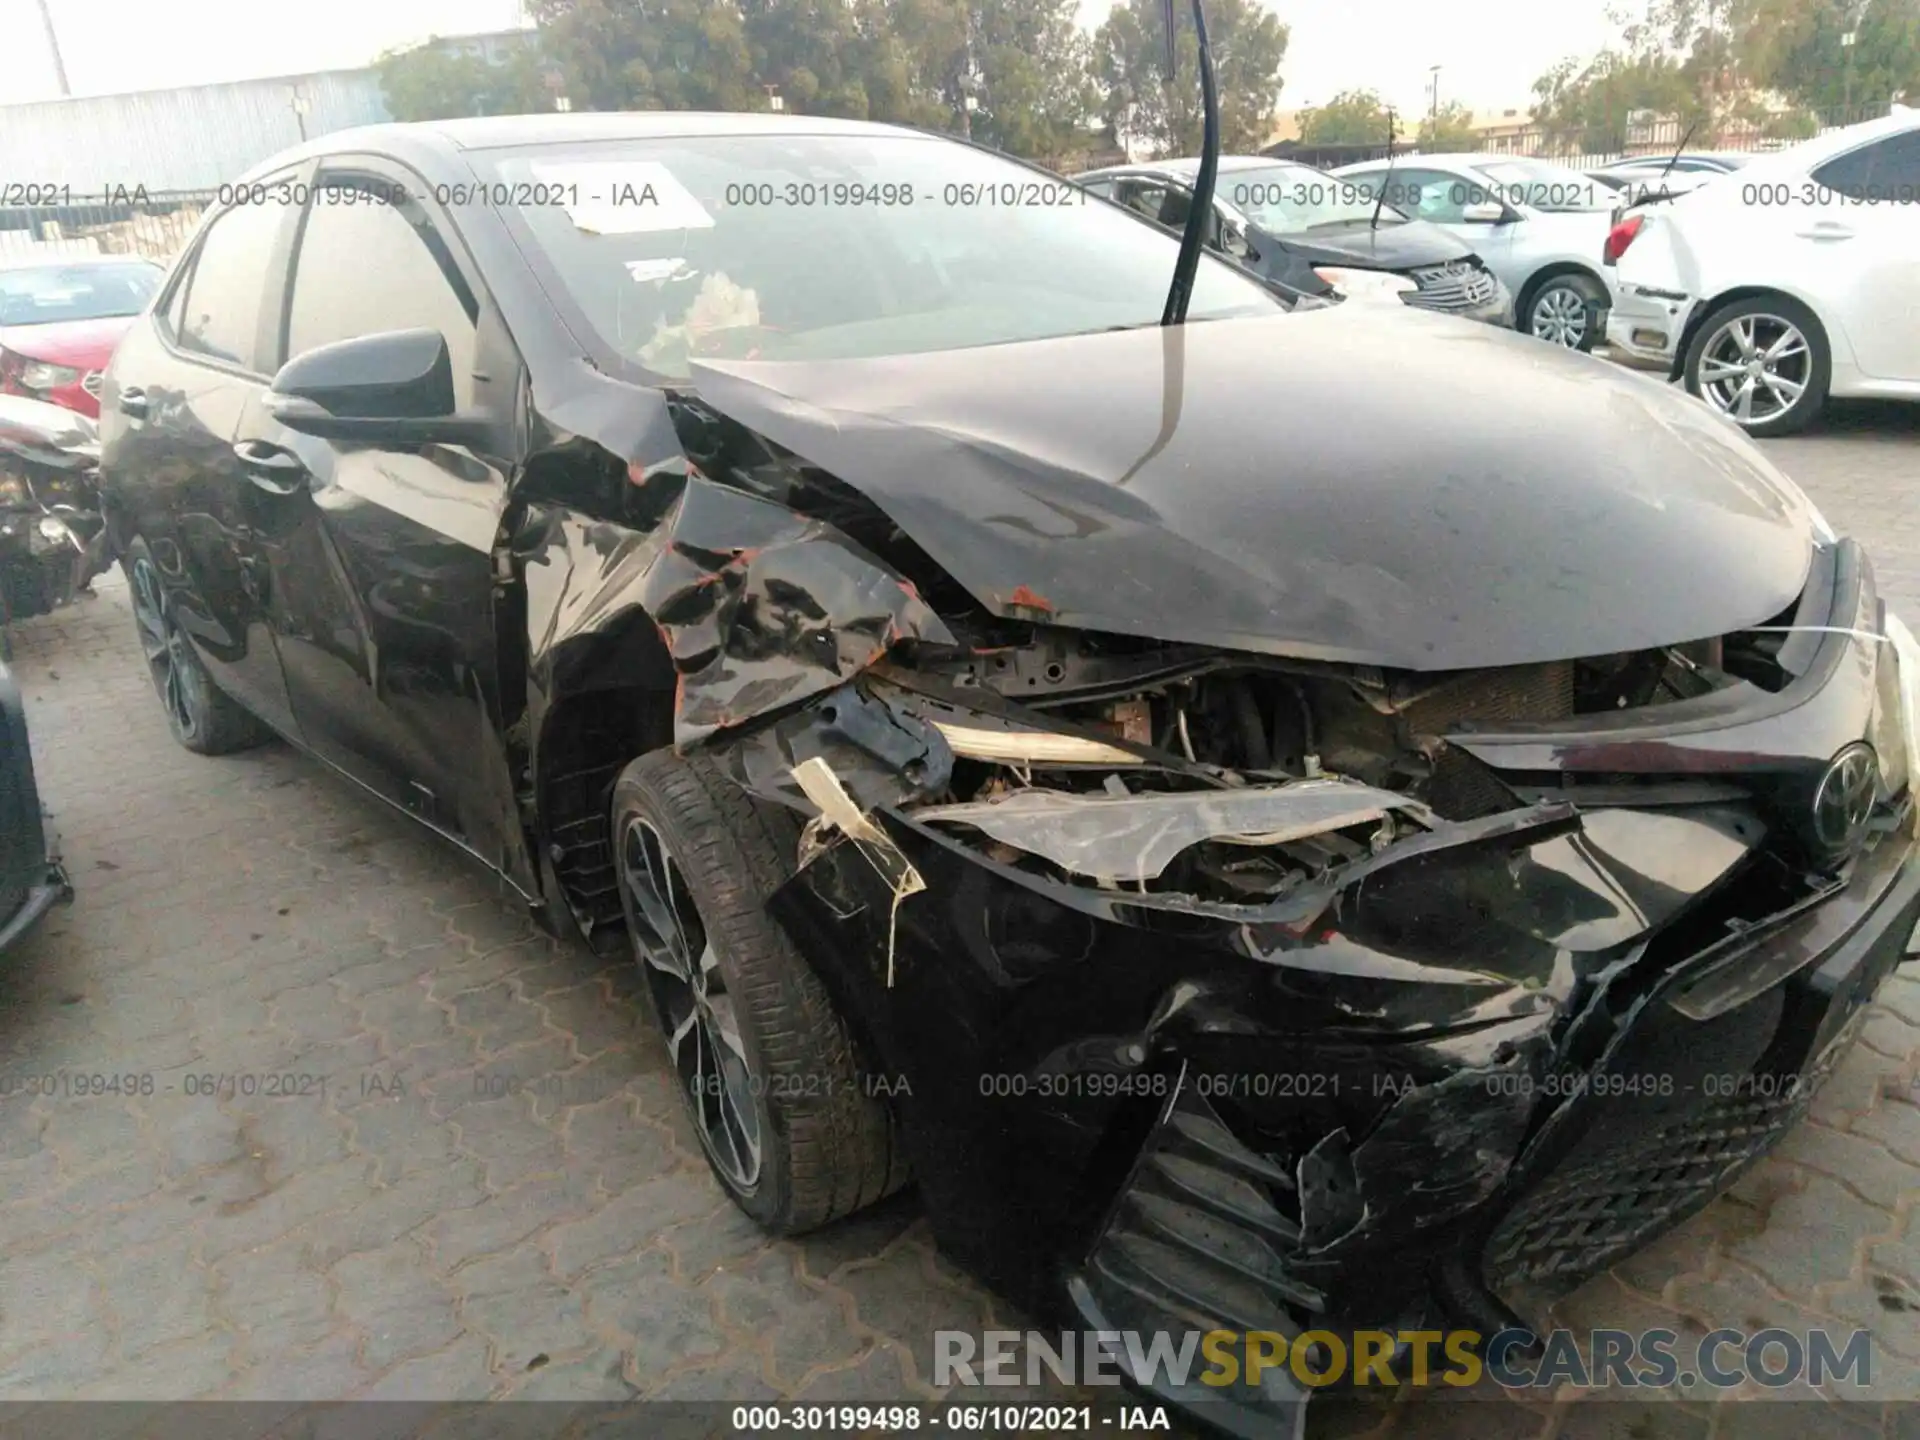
203, 717
1563, 311
767, 1068
1763, 362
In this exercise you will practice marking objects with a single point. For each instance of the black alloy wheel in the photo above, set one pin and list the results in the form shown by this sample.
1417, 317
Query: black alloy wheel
767, 1069
696, 1011
201, 716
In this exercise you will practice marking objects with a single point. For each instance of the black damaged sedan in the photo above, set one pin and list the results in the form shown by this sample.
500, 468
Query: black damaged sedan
1305, 818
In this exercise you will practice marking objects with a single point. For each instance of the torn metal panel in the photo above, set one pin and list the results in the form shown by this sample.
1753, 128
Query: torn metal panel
1346, 544
758, 608
1135, 837
882, 753
839, 812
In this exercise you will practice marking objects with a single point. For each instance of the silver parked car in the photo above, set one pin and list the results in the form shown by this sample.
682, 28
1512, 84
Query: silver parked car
1538, 226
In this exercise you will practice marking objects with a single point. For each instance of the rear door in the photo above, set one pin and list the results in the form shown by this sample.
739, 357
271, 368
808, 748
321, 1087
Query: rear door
1860, 242
382, 559
171, 402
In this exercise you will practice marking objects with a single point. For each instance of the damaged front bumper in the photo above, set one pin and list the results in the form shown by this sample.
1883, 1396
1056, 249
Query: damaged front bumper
1492, 1058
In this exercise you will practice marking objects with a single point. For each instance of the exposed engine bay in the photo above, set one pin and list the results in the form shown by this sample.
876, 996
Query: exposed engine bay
1190, 720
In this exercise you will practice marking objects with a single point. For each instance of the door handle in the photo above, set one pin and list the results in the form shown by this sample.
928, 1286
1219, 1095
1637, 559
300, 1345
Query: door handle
133, 402
1826, 230
277, 471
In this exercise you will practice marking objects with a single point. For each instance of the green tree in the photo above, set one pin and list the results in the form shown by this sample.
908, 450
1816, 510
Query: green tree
651, 54
1130, 61
811, 51
1353, 117
1032, 76
1794, 47
427, 82
1587, 106
1450, 128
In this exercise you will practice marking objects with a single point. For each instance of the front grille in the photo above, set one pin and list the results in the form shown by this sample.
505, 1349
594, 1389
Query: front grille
1457, 285
1644, 1164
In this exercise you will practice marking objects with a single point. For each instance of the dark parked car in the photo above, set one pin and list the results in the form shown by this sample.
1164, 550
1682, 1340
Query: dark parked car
1259, 846
31, 879
1314, 233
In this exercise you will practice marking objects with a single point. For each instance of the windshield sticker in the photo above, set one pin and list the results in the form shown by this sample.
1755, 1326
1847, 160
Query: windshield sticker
657, 272
626, 197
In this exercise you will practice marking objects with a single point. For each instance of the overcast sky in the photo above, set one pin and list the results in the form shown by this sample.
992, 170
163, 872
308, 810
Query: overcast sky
1489, 50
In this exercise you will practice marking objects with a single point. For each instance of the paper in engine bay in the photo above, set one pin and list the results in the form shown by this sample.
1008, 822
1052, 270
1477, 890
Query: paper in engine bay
625, 197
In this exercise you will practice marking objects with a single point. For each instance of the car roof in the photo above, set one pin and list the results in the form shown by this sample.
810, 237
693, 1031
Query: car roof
1186, 167
422, 139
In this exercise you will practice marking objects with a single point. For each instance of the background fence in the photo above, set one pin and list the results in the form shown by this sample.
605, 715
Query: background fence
1634, 135
152, 225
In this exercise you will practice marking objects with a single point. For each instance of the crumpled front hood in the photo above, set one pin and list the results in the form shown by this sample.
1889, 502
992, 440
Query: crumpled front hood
1357, 484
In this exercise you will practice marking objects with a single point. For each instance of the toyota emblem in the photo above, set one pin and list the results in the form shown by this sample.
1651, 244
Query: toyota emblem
1843, 803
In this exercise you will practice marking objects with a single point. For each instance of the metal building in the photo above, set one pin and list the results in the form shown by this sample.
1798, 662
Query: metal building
192, 138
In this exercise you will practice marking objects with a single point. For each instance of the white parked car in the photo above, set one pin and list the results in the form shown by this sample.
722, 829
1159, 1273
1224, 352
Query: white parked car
1796, 279
1538, 226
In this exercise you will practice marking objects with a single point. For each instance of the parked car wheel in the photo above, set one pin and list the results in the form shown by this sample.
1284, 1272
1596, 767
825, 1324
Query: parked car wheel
1763, 362
767, 1068
1561, 311
203, 717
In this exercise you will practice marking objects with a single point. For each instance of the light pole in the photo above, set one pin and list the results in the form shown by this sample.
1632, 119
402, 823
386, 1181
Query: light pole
1846, 94
1433, 107
53, 48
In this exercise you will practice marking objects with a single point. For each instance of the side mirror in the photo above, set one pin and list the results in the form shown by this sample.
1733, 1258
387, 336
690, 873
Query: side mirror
1233, 240
393, 388
1485, 212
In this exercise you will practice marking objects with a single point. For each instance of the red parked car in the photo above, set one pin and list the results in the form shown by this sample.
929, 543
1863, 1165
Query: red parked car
61, 319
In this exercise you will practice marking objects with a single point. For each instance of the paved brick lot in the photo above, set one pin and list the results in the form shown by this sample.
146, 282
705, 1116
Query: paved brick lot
489, 1189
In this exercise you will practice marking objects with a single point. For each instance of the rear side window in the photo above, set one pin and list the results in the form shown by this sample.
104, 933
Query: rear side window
220, 316
1887, 170
365, 267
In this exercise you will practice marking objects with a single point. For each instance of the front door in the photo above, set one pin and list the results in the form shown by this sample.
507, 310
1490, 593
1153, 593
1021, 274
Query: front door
1863, 231
383, 596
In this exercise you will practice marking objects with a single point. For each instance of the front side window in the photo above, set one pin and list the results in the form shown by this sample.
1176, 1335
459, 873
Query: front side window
366, 267
46, 294
1292, 199
1542, 186
819, 247
224, 294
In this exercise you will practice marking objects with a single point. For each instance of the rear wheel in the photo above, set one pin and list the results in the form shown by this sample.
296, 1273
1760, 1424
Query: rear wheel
203, 717
767, 1068
1763, 362
1561, 311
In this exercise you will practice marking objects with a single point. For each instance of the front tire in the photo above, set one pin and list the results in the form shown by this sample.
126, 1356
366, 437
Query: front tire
767, 1068
1563, 310
1763, 362
203, 717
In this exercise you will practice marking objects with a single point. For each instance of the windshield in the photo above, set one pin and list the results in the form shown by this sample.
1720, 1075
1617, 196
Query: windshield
1544, 186
1286, 199
799, 247
42, 294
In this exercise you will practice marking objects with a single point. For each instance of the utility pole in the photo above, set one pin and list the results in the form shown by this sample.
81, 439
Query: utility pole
1433, 108
53, 49
1846, 43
